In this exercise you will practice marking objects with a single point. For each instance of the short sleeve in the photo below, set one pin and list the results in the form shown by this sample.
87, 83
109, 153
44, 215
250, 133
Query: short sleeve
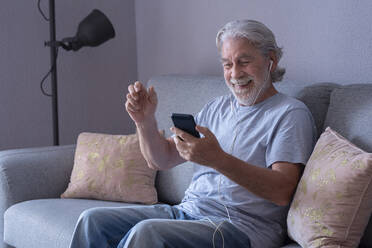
204, 114
293, 138
199, 117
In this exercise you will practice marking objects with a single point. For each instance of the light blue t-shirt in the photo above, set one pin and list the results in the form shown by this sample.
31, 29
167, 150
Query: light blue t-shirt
277, 129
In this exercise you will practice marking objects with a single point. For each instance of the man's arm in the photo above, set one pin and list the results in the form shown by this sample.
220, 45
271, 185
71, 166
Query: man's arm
276, 184
159, 152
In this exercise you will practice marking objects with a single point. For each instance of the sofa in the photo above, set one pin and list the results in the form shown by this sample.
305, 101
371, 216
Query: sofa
32, 180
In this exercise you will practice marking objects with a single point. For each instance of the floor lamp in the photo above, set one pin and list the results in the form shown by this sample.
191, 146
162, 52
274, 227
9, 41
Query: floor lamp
93, 30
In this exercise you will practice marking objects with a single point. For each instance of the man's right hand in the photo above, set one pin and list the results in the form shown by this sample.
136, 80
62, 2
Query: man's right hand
141, 103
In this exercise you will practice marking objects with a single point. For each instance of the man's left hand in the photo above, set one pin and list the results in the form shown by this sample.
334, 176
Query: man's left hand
204, 151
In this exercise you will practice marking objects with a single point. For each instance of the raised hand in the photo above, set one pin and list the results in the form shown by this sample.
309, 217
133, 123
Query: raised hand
141, 103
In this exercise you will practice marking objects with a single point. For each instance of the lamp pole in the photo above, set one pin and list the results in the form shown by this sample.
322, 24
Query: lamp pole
53, 61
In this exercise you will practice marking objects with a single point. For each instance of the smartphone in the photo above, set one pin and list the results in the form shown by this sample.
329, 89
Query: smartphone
186, 123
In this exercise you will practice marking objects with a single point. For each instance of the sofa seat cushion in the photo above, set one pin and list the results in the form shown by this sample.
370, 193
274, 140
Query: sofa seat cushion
46, 222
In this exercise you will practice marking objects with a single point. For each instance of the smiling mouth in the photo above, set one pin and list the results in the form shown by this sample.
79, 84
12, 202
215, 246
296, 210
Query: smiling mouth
242, 84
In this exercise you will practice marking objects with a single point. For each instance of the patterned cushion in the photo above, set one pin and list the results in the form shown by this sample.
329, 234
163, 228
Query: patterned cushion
333, 201
111, 167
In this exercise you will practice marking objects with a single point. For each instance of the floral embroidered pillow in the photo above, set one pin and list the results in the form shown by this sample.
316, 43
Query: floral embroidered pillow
333, 201
111, 167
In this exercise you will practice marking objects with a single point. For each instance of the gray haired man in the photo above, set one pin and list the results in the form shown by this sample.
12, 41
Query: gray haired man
242, 183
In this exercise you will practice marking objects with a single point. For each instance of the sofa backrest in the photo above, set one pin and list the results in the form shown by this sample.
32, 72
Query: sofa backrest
350, 114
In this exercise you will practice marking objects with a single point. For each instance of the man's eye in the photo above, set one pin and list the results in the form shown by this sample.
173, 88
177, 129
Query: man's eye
227, 65
245, 62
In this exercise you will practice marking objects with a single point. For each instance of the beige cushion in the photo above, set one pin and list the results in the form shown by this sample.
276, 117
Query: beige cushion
111, 167
333, 201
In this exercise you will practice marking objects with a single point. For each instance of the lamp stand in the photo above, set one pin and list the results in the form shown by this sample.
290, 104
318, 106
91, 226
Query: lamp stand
94, 30
53, 62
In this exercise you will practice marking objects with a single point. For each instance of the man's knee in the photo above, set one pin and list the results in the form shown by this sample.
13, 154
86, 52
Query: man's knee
91, 216
143, 234
147, 227
148, 232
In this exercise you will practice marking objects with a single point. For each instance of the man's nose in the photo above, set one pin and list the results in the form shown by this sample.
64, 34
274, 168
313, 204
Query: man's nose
236, 71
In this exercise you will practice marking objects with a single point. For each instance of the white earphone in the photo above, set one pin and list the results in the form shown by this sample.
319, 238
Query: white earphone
271, 64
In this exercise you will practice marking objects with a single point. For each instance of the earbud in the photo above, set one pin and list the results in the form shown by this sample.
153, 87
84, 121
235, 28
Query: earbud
271, 64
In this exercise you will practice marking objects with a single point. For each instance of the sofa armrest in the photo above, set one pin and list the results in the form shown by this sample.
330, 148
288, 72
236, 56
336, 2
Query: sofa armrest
34, 173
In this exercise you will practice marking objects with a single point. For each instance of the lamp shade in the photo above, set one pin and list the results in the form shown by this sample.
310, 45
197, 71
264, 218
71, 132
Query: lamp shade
94, 30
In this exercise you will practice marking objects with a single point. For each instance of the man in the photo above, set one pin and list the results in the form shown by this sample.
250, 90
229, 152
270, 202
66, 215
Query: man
243, 183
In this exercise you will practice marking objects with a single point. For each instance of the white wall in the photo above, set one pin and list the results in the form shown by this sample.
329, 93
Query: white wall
91, 82
323, 40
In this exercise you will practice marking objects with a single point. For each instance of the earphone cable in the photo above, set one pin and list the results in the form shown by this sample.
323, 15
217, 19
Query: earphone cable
215, 231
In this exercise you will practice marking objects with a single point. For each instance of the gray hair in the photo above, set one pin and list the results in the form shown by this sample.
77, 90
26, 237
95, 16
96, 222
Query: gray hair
258, 34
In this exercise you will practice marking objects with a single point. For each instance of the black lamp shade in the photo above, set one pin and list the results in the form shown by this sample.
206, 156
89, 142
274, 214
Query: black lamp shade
94, 30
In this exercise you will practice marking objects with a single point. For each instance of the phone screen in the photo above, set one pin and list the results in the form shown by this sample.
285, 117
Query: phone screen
186, 123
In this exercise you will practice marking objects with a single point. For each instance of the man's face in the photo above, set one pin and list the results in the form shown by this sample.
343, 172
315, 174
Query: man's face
246, 71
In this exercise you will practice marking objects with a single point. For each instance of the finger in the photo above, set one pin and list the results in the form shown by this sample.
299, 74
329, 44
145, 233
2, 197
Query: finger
133, 105
130, 107
178, 138
133, 92
153, 98
138, 86
140, 89
178, 141
180, 148
131, 99
181, 145
205, 131
184, 135
131, 89
135, 102
185, 155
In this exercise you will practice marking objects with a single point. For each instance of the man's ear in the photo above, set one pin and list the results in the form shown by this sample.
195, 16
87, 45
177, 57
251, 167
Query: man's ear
274, 61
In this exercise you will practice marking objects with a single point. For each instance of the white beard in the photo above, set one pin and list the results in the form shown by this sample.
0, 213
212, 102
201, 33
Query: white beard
249, 95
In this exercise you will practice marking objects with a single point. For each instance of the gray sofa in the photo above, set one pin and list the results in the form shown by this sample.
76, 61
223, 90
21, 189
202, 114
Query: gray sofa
31, 180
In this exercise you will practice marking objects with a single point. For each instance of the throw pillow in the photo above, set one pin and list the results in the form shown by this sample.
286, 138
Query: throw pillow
111, 167
333, 201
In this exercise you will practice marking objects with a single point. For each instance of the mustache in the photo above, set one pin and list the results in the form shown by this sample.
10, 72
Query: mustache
241, 81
